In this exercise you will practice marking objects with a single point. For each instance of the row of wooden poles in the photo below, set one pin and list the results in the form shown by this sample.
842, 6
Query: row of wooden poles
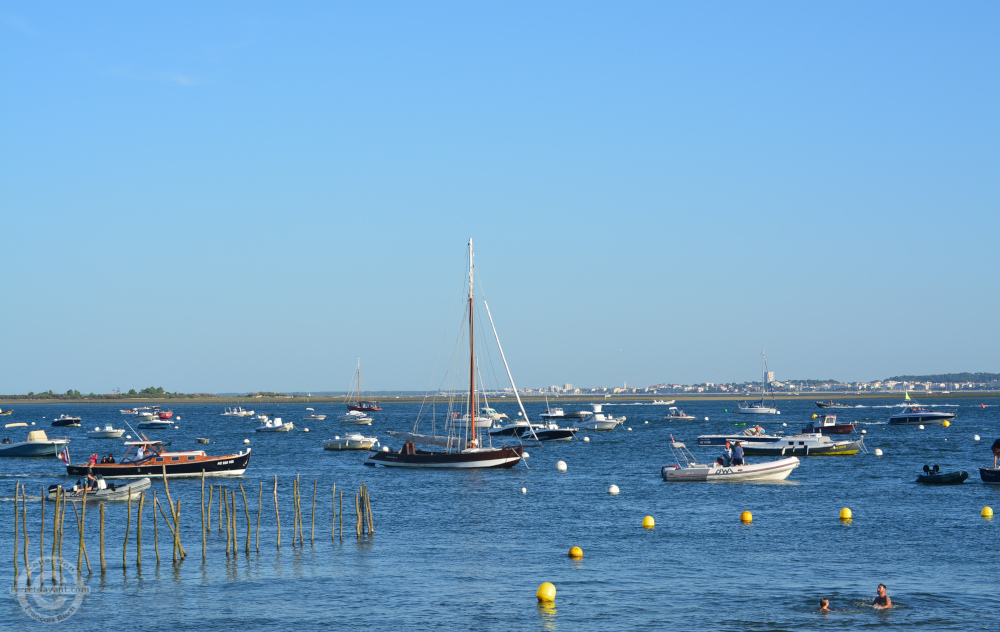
364, 524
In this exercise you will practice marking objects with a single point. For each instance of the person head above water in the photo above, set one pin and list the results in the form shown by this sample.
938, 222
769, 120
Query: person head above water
824, 604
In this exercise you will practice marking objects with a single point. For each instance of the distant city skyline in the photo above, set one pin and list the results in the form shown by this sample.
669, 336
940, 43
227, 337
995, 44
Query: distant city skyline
233, 197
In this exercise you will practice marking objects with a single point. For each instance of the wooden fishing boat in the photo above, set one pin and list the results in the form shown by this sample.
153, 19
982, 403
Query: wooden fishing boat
933, 476
464, 448
103, 492
354, 393
148, 458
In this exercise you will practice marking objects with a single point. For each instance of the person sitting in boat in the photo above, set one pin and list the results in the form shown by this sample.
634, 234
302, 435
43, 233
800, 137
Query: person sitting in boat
881, 600
726, 457
139, 453
111, 458
738, 454
93, 459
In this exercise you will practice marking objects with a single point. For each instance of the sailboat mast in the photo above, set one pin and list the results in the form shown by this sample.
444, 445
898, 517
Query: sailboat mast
472, 358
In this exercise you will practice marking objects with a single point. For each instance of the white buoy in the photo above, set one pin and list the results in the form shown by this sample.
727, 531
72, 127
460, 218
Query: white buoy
524, 490
864, 432
784, 425
878, 451
976, 438
525, 455
586, 439
921, 426
706, 418
645, 422
561, 466
385, 448
613, 489
177, 418
305, 430
32, 423
128, 436
246, 441
630, 430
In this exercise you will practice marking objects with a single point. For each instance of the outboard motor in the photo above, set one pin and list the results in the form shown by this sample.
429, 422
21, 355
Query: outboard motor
927, 469
936, 468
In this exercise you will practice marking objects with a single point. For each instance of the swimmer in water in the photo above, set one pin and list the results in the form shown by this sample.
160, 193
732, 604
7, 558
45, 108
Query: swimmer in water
882, 601
824, 605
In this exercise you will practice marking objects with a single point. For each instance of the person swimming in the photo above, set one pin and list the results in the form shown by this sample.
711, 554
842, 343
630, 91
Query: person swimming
824, 605
881, 601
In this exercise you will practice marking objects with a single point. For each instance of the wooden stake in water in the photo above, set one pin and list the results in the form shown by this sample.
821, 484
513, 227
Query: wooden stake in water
224, 497
81, 517
246, 511
357, 512
208, 525
62, 528
104, 565
24, 528
138, 531
128, 527
295, 512
204, 543
17, 486
55, 531
175, 510
232, 499
312, 536
156, 531
277, 516
41, 543
341, 515
333, 511
260, 505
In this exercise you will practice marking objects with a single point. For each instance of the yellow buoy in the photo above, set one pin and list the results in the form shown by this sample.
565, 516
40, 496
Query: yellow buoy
546, 592
648, 522
945, 423
576, 552
746, 516
987, 512
815, 415
845, 514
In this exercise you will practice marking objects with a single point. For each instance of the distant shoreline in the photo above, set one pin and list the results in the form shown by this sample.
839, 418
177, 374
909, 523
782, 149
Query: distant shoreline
554, 401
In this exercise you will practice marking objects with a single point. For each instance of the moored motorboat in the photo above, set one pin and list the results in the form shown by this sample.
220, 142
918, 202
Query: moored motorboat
794, 445
107, 432
274, 424
663, 402
148, 458
165, 414
933, 476
66, 421
549, 431
236, 412
350, 441
153, 423
354, 418
101, 493
916, 414
830, 404
827, 424
688, 469
312, 415
36, 444
599, 420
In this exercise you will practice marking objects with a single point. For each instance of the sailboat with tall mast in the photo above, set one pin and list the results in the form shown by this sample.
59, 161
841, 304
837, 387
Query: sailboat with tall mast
464, 448
760, 408
363, 406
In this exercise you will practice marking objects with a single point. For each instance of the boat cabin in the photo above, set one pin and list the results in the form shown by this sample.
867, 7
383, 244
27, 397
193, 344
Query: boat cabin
151, 452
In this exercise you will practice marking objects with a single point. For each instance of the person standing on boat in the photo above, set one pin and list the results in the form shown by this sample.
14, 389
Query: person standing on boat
738, 454
882, 600
996, 451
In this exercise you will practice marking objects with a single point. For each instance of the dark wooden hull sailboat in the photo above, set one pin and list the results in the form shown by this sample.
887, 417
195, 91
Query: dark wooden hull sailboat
362, 406
467, 451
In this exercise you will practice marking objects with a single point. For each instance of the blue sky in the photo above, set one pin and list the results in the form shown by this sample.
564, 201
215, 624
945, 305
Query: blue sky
249, 196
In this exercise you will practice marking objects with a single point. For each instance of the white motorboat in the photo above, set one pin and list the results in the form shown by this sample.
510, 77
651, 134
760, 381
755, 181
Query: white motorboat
663, 402
100, 493
236, 412
144, 415
36, 444
355, 418
107, 432
351, 441
71, 421
274, 424
311, 415
815, 444
553, 413
688, 469
760, 407
673, 414
599, 420
491, 414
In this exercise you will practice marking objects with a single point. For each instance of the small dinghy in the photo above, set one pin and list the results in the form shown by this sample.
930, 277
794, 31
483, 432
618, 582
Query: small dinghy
352, 441
688, 468
103, 492
933, 476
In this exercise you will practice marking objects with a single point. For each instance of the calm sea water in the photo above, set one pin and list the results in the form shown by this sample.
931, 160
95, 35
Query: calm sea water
467, 550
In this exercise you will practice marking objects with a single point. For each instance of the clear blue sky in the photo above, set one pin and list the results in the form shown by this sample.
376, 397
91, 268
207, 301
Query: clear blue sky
247, 196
